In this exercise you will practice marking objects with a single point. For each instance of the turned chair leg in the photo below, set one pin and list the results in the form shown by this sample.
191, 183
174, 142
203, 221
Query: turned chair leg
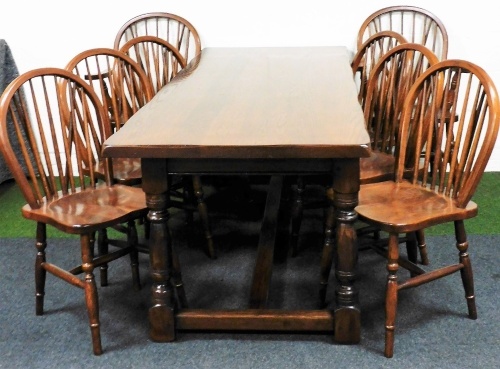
391, 298
466, 271
40, 272
411, 247
133, 240
422, 247
296, 216
91, 298
327, 255
203, 211
177, 282
103, 249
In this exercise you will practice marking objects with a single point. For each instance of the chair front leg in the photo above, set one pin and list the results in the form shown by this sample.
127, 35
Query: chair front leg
91, 298
466, 271
40, 272
391, 298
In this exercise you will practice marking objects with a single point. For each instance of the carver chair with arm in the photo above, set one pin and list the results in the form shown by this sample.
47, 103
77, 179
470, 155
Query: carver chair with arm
53, 111
438, 168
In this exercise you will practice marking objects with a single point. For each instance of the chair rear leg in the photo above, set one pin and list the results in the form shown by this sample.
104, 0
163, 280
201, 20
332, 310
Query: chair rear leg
40, 272
391, 298
422, 247
411, 247
203, 212
327, 255
103, 249
133, 240
297, 210
177, 282
466, 271
91, 298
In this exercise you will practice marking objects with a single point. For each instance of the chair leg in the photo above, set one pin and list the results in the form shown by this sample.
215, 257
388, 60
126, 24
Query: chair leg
177, 282
297, 210
91, 298
422, 247
411, 247
187, 197
133, 240
103, 249
391, 298
40, 272
203, 211
466, 271
145, 223
327, 255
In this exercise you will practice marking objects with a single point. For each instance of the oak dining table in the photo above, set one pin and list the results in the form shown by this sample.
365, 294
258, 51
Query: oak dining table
278, 111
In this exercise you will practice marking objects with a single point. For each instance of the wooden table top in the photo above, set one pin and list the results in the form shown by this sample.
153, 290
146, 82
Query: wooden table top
262, 102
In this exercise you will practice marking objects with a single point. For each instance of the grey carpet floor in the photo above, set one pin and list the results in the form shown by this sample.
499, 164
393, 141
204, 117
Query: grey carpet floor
433, 330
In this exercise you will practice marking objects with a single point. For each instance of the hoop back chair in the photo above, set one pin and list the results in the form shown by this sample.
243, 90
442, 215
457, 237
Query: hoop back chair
388, 86
413, 23
389, 82
50, 108
438, 168
172, 28
159, 59
368, 54
118, 80
124, 87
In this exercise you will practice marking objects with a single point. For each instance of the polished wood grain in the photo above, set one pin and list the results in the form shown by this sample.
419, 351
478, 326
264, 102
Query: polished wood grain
274, 110
225, 108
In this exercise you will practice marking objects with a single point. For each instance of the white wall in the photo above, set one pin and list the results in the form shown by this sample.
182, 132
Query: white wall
50, 33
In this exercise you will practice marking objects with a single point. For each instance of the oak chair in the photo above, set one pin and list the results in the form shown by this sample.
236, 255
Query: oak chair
438, 168
413, 23
362, 64
53, 111
160, 60
388, 86
367, 56
124, 86
172, 28
390, 80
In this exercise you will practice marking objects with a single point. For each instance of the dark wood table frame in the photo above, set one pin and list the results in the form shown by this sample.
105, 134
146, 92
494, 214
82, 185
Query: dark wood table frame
275, 111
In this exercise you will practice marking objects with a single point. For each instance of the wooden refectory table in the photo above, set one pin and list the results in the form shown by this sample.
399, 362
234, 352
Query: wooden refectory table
253, 110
